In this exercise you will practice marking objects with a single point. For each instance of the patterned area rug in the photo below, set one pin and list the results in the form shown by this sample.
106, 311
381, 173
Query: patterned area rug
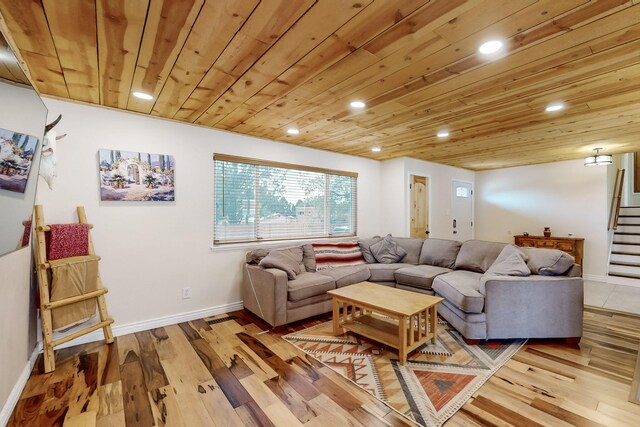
434, 383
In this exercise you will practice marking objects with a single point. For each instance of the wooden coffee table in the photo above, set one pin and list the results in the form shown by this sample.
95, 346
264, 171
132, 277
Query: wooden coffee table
401, 319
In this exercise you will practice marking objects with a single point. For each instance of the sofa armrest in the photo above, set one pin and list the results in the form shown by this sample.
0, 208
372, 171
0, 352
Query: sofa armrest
264, 292
534, 306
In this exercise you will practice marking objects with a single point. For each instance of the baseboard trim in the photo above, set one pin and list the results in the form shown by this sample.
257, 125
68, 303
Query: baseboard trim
595, 277
625, 281
145, 325
614, 280
16, 391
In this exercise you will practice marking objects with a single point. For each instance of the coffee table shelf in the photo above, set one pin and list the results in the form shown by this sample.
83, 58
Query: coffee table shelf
384, 330
397, 318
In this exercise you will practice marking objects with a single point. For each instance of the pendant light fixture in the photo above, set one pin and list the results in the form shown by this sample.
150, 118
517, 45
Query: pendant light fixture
598, 159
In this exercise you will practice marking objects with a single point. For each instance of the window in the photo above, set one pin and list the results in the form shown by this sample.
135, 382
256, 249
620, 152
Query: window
258, 200
462, 192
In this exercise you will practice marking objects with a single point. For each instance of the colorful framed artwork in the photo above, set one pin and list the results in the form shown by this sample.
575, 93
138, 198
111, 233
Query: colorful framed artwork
133, 176
16, 155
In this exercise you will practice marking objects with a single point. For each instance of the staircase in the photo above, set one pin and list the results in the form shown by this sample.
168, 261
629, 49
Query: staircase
625, 250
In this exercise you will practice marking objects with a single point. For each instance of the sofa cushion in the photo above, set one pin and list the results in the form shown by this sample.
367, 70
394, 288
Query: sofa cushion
439, 252
462, 289
308, 285
467, 317
348, 275
288, 260
419, 276
384, 272
387, 250
510, 262
412, 246
331, 255
548, 262
309, 258
365, 246
478, 255
469, 325
413, 289
308, 301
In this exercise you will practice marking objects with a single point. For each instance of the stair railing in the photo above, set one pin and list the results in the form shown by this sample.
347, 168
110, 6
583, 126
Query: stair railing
616, 199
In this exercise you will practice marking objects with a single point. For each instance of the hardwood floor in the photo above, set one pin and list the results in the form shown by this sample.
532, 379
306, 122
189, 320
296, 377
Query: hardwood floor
225, 371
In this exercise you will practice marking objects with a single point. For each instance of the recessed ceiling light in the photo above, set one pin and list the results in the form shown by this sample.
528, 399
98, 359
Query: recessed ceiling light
490, 47
293, 131
556, 106
376, 149
357, 104
442, 134
143, 95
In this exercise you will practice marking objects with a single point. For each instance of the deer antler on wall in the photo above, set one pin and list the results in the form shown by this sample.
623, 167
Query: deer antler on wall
48, 160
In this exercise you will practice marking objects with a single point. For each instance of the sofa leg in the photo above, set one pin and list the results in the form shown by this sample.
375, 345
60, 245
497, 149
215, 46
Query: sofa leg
572, 340
469, 341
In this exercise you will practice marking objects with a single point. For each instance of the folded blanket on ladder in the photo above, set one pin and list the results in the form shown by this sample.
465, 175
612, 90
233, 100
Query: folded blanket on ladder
67, 240
71, 277
26, 234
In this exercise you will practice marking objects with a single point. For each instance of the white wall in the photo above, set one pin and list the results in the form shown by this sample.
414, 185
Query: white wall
566, 196
151, 250
396, 177
393, 209
612, 174
629, 197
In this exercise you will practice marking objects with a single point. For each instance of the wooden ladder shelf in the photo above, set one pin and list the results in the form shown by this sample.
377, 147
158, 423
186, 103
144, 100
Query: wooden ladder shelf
46, 305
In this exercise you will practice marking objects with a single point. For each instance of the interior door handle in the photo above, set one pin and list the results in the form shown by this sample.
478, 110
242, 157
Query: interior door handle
427, 232
455, 223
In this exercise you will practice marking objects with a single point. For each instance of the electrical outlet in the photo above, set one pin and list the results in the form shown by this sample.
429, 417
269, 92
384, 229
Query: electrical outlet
186, 293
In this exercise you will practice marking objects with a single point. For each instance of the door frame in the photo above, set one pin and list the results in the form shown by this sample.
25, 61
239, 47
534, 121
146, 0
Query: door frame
407, 200
473, 206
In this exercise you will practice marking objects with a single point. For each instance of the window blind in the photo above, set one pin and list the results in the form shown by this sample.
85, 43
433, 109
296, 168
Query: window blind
259, 200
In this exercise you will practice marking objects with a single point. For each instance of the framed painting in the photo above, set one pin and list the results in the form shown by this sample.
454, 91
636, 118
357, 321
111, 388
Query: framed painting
133, 176
16, 155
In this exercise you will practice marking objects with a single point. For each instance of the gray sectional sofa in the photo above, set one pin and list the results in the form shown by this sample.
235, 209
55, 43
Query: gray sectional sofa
480, 301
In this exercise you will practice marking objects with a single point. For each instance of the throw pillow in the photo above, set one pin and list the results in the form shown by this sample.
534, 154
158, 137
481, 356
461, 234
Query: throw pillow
387, 251
309, 258
330, 255
287, 260
511, 262
548, 262
365, 246
255, 256
478, 255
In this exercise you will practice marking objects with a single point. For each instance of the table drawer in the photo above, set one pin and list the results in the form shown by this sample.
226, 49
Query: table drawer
526, 243
546, 244
568, 247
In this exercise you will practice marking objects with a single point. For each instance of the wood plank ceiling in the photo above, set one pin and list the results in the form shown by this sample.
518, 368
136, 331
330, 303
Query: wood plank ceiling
259, 67
9, 66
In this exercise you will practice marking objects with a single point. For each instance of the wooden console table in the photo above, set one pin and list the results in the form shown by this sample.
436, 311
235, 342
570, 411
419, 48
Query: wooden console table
571, 245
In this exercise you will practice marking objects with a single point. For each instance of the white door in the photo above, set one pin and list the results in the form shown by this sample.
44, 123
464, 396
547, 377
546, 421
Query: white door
461, 210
